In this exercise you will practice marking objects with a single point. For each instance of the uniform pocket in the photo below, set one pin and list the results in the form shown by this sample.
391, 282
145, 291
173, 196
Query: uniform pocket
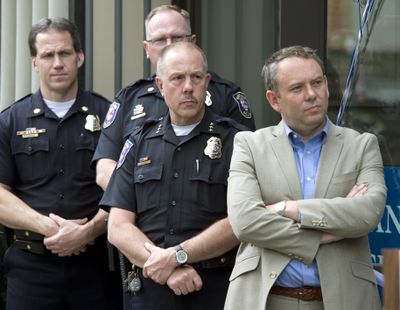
85, 147
208, 185
148, 189
31, 157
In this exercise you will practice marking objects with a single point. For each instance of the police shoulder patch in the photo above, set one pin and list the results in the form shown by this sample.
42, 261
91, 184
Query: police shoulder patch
125, 150
243, 104
111, 114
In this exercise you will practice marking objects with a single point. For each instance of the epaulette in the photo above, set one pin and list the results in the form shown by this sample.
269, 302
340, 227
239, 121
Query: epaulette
19, 100
229, 122
135, 84
23, 98
219, 80
98, 95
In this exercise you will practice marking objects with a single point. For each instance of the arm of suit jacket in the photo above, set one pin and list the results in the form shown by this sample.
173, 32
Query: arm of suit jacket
359, 162
247, 213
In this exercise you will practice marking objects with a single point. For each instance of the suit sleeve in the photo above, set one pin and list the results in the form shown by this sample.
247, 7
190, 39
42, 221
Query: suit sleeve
350, 217
250, 220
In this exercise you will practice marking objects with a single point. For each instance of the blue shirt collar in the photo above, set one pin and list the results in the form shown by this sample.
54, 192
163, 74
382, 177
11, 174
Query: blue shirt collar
321, 137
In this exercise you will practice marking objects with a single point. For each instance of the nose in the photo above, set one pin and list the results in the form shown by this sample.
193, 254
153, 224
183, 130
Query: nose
57, 61
188, 86
310, 92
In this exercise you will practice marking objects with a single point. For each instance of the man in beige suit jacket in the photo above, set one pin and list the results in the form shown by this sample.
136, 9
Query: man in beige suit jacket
302, 248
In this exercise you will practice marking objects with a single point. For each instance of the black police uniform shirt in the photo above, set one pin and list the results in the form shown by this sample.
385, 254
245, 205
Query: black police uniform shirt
175, 185
142, 100
46, 160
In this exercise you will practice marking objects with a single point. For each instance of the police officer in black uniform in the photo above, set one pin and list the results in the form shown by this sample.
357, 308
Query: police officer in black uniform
142, 99
48, 194
168, 194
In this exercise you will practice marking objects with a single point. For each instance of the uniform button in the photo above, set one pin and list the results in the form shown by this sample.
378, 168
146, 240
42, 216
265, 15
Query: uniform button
173, 203
179, 149
28, 246
176, 175
140, 176
60, 125
61, 146
223, 259
61, 196
61, 171
26, 233
29, 148
171, 231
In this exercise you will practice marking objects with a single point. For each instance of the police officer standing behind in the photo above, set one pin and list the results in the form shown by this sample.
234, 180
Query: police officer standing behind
142, 99
168, 194
48, 193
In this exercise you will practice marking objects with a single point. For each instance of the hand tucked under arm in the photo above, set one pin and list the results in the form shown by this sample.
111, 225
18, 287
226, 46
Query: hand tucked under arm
184, 280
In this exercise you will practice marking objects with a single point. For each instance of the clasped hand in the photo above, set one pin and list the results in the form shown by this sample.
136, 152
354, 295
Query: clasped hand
162, 268
71, 238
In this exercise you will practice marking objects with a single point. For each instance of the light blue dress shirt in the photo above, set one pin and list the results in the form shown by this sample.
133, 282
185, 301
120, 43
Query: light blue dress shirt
297, 274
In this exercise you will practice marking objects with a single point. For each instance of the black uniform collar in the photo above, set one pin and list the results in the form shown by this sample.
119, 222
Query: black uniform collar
82, 104
208, 125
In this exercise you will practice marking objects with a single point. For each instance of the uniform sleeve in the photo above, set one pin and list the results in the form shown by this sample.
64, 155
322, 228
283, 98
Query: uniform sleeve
7, 165
120, 192
111, 138
228, 100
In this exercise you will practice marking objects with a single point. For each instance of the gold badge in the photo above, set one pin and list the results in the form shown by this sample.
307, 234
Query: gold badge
213, 148
208, 99
92, 123
30, 132
138, 111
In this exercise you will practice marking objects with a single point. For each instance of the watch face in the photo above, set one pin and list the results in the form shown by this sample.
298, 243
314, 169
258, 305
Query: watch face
181, 257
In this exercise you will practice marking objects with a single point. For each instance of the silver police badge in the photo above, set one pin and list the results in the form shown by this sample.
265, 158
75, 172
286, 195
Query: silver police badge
92, 123
213, 148
138, 111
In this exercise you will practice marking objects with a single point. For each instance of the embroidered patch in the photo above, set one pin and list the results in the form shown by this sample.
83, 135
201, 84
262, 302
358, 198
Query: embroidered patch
125, 150
111, 114
243, 104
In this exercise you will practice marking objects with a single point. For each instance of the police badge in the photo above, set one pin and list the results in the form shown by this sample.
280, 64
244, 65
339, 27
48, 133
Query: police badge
213, 148
92, 123
138, 111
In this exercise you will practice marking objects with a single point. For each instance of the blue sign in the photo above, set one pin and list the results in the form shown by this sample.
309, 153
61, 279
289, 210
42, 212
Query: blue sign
387, 234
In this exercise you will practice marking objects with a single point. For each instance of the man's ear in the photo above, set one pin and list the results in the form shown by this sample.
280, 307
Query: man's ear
33, 62
160, 85
146, 46
273, 100
81, 59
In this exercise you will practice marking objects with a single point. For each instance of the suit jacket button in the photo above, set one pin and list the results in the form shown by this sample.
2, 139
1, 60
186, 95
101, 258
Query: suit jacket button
273, 275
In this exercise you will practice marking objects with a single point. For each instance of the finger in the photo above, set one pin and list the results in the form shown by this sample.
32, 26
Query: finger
58, 219
197, 282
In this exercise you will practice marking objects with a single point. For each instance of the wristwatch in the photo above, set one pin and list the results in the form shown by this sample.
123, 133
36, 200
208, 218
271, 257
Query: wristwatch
280, 209
181, 255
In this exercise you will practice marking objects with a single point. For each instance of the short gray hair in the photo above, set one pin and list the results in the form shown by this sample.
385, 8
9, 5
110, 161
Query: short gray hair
179, 46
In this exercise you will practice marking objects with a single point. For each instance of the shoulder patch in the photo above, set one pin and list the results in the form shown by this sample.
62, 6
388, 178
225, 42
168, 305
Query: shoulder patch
125, 150
243, 105
111, 114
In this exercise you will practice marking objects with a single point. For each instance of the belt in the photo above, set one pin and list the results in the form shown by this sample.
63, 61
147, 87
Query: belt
29, 241
306, 293
227, 260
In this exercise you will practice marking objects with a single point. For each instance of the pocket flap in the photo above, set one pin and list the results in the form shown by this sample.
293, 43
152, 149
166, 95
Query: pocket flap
148, 173
363, 271
246, 265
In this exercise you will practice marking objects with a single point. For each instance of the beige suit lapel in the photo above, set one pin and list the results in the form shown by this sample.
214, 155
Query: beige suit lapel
285, 156
329, 158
